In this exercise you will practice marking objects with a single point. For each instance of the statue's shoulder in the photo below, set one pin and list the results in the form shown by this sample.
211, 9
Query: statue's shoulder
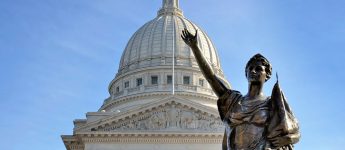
234, 93
230, 95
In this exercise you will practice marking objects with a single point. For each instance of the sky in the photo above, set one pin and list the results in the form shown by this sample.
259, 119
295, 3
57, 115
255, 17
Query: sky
57, 58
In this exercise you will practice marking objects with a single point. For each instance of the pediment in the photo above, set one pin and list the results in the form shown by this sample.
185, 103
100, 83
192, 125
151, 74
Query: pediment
168, 114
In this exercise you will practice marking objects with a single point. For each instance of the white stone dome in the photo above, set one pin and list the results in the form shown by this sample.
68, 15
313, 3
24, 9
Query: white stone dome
149, 52
152, 45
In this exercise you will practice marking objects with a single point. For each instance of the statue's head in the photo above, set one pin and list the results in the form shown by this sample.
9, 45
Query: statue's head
258, 69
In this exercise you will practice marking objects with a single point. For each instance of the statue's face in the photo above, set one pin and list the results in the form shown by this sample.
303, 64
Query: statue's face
256, 72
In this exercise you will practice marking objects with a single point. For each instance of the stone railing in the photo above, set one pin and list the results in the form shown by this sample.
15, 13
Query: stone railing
162, 88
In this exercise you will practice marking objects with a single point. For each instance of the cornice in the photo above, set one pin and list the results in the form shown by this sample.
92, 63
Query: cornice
111, 103
151, 138
78, 141
71, 142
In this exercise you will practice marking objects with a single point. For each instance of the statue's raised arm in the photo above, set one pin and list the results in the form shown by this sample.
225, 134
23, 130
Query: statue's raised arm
192, 41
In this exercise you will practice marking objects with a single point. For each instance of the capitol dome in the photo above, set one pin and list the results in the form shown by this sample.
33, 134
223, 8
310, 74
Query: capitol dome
154, 53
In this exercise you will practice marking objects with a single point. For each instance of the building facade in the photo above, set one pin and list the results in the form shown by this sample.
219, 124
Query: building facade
159, 98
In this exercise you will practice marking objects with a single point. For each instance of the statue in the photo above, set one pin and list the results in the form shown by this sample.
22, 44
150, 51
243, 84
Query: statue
173, 116
252, 121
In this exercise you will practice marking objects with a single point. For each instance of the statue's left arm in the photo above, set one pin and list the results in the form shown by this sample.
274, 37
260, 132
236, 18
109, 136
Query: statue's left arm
283, 128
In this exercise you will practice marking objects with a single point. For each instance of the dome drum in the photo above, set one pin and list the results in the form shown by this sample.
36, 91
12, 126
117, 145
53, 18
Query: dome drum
185, 80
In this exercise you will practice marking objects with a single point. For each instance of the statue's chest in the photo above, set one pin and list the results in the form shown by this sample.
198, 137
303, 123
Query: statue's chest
256, 113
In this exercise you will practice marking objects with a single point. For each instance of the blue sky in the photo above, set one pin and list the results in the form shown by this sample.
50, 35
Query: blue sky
58, 57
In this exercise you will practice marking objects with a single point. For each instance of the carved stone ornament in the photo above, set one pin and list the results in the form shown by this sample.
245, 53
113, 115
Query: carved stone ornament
171, 116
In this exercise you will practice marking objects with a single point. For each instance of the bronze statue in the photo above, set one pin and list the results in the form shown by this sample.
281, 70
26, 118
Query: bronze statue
252, 121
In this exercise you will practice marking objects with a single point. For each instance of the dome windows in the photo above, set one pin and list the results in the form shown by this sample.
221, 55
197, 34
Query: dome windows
154, 80
169, 79
139, 81
126, 84
201, 82
186, 80
117, 89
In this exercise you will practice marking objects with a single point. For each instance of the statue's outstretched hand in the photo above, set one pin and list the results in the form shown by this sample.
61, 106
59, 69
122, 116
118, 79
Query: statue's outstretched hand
189, 38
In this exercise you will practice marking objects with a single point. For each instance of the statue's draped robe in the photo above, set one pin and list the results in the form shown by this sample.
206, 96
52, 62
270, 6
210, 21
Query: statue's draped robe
273, 115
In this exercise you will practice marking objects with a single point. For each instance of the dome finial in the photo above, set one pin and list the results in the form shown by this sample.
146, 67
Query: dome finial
170, 7
170, 3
